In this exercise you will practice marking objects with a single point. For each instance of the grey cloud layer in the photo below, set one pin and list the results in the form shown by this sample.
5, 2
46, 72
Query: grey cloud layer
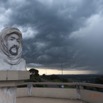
55, 22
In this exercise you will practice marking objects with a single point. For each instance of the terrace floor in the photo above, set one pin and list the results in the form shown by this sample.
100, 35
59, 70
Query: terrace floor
45, 100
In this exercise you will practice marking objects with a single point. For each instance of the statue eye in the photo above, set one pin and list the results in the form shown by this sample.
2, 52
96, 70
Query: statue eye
18, 40
11, 39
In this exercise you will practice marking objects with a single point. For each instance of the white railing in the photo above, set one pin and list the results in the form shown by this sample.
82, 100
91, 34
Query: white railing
84, 91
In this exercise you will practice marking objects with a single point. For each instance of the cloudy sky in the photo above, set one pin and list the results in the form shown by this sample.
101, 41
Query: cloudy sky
58, 33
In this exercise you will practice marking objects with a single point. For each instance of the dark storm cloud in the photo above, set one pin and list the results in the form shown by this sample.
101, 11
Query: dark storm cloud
54, 22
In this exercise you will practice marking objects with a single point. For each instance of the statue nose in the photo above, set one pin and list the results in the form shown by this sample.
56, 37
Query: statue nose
16, 42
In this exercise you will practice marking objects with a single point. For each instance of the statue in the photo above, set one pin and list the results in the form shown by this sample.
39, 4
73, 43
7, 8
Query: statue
10, 59
11, 49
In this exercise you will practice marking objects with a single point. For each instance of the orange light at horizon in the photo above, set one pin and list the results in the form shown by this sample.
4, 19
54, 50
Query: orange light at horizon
57, 71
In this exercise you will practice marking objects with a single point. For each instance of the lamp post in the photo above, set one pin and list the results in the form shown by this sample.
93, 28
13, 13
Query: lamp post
62, 86
62, 69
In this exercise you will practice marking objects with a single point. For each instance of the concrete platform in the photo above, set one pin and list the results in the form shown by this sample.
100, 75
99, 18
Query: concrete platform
12, 75
45, 100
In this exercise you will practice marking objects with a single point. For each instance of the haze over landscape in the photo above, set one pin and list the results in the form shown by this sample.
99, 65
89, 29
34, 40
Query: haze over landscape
58, 34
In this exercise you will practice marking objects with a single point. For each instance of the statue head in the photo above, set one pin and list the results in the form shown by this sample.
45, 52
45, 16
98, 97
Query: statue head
11, 43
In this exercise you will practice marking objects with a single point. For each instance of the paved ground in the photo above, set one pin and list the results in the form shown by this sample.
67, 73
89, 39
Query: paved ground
45, 100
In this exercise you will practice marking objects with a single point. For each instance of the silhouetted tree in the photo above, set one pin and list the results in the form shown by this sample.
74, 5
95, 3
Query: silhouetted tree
34, 72
99, 80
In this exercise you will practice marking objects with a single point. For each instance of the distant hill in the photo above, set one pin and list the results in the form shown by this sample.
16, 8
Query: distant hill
82, 77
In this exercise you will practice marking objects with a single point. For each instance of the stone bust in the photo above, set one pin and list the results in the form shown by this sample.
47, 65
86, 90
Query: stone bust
11, 49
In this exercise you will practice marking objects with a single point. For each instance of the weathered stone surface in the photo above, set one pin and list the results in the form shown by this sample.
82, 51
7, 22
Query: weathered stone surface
10, 60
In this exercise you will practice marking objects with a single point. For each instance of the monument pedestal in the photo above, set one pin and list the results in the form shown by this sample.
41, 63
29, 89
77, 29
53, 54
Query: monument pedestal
8, 83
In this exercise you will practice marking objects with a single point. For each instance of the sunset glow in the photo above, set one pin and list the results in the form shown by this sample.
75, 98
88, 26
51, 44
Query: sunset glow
55, 71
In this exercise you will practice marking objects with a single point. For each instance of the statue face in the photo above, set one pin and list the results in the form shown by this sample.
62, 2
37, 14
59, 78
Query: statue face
13, 44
